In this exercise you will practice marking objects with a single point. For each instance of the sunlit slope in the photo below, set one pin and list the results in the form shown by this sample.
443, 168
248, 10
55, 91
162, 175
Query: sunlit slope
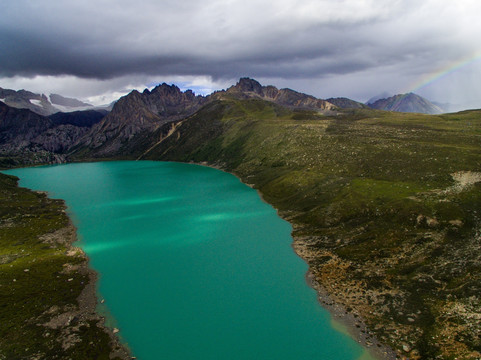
386, 207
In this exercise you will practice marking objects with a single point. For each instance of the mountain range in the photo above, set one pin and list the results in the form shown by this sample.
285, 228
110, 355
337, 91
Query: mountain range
384, 205
41, 103
137, 120
245, 88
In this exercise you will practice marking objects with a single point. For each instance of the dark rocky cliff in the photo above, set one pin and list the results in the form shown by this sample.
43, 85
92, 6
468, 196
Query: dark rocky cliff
29, 138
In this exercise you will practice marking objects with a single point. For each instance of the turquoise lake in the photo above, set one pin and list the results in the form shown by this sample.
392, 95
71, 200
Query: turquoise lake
192, 263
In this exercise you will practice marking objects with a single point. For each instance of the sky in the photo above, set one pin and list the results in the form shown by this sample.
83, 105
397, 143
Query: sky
100, 50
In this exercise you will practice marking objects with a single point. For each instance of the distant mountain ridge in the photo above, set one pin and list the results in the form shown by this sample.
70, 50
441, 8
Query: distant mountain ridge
23, 99
410, 103
136, 116
383, 95
139, 120
57, 99
40, 103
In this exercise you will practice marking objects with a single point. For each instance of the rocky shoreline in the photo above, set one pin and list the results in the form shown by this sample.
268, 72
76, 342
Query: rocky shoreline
351, 324
69, 320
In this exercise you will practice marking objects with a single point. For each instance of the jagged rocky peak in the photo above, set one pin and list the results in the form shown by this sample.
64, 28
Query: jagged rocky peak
136, 115
246, 84
167, 95
173, 93
165, 88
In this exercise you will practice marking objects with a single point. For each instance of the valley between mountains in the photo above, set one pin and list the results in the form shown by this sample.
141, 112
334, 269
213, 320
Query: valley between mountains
385, 206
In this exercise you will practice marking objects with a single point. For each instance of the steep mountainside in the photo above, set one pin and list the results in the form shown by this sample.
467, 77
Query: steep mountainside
86, 118
385, 209
29, 138
20, 126
127, 129
411, 103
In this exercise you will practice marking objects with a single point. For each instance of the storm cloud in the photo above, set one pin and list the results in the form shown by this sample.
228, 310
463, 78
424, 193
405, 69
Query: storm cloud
328, 48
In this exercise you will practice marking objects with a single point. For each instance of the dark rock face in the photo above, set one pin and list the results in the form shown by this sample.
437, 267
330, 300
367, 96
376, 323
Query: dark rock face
411, 103
20, 126
246, 85
170, 103
59, 138
31, 138
86, 118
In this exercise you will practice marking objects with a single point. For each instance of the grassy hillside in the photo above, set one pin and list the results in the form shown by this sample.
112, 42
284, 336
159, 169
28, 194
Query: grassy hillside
385, 206
45, 311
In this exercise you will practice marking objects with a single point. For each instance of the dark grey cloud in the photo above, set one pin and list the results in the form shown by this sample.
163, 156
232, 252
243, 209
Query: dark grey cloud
284, 40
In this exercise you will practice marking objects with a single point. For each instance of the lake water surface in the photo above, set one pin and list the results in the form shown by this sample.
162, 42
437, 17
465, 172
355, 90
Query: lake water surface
192, 263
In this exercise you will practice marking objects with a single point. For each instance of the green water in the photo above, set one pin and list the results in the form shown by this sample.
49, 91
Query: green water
192, 263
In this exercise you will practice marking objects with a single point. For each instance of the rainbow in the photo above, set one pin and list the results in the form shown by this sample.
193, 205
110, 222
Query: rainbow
428, 79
